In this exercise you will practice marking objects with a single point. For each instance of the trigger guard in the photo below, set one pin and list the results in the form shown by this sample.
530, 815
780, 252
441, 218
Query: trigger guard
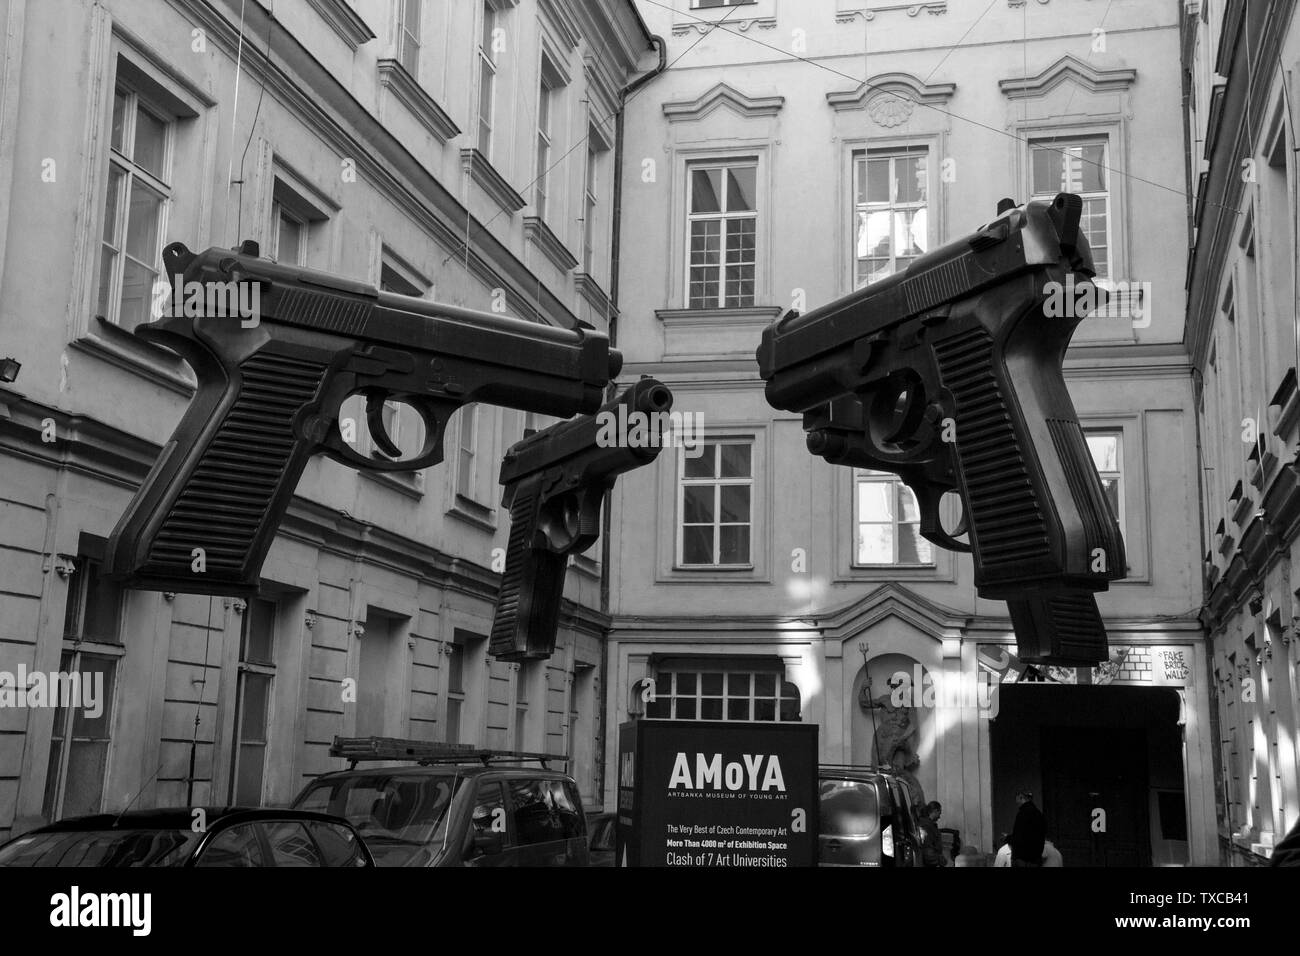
932, 528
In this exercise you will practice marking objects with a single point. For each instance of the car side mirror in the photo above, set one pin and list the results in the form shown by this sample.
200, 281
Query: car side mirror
489, 844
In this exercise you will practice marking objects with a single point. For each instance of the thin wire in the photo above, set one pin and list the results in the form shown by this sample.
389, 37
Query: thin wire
959, 41
203, 686
583, 140
931, 106
234, 113
239, 215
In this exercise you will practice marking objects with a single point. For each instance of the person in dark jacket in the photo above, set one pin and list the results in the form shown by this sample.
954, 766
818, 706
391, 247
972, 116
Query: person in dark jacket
932, 845
1028, 833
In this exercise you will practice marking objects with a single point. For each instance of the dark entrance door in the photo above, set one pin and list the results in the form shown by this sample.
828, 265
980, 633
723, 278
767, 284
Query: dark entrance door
1087, 769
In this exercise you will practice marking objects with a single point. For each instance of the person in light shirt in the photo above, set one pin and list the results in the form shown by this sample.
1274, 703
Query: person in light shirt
1051, 855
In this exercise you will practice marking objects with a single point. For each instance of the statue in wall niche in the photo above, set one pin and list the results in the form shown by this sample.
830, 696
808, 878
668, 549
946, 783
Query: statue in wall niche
897, 729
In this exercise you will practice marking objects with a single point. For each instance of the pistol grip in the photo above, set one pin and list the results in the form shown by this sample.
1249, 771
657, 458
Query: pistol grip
532, 587
207, 512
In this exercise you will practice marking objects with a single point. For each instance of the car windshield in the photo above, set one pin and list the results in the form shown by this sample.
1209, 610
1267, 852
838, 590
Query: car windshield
848, 808
151, 847
400, 816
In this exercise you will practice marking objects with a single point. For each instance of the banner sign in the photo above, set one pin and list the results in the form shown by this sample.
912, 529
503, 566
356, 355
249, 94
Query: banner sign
712, 794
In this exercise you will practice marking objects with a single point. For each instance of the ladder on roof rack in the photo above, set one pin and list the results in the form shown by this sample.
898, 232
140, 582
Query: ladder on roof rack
427, 753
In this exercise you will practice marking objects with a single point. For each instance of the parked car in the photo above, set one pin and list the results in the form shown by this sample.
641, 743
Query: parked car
457, 814
228, 837
867, 818
600, 843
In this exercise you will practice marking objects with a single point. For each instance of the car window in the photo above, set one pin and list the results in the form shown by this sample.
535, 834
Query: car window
236, 846
339, 846
848, 808
488, 816
290, 844
537, 814
602, 835
100, 848
568, 808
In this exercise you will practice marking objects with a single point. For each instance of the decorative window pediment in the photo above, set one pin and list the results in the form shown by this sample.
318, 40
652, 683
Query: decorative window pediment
681, 111
1068, 68
890, 98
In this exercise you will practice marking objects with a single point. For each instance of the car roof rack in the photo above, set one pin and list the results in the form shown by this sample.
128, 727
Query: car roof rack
427, 752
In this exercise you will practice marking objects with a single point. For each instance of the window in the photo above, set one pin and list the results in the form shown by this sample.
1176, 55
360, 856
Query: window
238, 846
92, 647
455, 689
538, 811
589, 204
298, 219
722, 225
1106, 449
486, 79
252, 702
467, 451
890, 216
291, 845
488, 816
715, 505
135, 208
408, 35
545, 96
723, 693
888, 521
1078, 166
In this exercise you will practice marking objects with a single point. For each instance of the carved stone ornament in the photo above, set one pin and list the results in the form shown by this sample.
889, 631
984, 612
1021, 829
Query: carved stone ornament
890, 109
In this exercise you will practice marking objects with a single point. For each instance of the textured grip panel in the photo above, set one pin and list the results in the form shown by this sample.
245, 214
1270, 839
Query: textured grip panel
1059, 627
1101, 531
532, 587
225, 506
1006, 521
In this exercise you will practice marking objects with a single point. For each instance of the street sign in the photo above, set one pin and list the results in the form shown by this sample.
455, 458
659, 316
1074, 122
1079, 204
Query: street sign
713, 794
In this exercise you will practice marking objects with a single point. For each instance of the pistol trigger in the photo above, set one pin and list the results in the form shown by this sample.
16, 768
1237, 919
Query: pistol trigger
375, 422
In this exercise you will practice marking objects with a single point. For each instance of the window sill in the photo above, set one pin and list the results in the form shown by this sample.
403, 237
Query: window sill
123, 349
892, 572
730, 318
540, 234
471, 512
714, 574
344, 21
491, 181
409, 483
395, 77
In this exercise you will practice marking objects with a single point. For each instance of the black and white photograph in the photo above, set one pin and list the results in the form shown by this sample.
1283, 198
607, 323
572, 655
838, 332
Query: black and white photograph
690, 436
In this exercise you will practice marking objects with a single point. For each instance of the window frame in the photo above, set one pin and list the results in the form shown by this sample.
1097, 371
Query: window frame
487, 76
406, 39
727, 670
590, 200
723, 216
1118, 474
861, 156
125, 165
717, 481
244, 668
1060, 142
867, 475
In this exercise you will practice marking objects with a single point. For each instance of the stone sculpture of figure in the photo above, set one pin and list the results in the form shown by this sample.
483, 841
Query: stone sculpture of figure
897, 738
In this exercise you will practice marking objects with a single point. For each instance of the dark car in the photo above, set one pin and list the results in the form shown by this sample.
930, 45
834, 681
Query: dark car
600, 844
457, 814
867, 818
189, 836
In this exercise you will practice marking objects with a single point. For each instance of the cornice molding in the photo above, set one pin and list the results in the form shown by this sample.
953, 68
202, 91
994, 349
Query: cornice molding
559, 14
344, 21
934, 8
539, 234
722, 94
586, 286
704, 26
894, 86
491, 181
1068, 68
395, 78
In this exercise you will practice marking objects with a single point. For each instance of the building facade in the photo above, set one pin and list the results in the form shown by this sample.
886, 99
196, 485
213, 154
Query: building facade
1239, 65
459, 151
792, 153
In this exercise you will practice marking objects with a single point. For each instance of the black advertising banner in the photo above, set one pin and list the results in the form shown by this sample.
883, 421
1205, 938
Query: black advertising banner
709, 794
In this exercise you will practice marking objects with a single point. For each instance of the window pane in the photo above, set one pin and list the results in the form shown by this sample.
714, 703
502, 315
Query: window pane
248, 781
740, 240
259, 631
875, 544
84, 791
117, 136
112, 198
106, 260
85, 724
878, 180
735, 461
764, 709
685, 708
875, 501
738, 709
706, 243
735, 503
288, 246
1092, 167
142, 223
1111, 487
453, 721
257, 693
1105, 452
52, 779
697, 504
290, 844
237, 846
706, 190
137, 294
686, 684
455, 668
711, 708
909, 510
738, 685
874, 234
338, 844
102, 620
911, 178
765, 685
711, 684
536, 817
733, 543
740, 188
150, 142
489, 24
701, 467
1047, 170
697, 544
485, 85
912, 548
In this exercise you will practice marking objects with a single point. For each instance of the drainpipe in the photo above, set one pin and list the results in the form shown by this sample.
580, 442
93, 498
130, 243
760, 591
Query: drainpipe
615, 245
